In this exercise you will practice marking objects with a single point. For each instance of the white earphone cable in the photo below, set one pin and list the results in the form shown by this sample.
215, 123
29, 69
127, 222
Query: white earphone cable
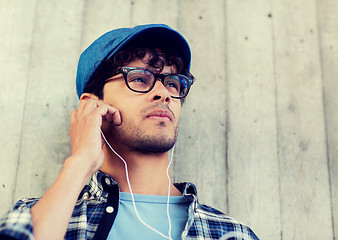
169, 185
132, 195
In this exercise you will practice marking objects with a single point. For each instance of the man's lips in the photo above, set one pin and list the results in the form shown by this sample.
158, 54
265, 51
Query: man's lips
160, 114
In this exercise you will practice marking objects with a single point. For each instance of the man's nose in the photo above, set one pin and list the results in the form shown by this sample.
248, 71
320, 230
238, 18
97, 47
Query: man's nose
160, 92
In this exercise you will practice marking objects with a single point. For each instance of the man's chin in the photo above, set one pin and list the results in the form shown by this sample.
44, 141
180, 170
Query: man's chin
145, 138
153, 146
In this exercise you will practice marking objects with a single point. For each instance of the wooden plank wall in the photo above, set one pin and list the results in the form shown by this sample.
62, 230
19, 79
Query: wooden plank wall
259, 130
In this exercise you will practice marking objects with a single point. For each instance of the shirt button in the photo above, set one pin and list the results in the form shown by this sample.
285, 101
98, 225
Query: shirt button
109, 209
107, 181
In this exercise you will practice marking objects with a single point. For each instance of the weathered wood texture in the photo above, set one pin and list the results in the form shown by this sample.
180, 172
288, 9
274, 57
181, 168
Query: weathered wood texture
253, 172
304, 185
328, 37
258, 132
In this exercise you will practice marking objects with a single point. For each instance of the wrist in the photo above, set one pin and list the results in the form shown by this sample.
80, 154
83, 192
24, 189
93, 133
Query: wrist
78, 168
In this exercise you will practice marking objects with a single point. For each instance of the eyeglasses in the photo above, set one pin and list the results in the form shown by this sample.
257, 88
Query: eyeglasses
143, 80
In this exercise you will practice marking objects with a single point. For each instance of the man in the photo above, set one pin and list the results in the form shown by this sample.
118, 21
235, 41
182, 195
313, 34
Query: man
131, 83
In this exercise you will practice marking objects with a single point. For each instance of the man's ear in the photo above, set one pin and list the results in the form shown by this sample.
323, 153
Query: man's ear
88, 96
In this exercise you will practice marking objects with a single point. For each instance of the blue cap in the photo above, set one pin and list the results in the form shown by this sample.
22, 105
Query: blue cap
109, 43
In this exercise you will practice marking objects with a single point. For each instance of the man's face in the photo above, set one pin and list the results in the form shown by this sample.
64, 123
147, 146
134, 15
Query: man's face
149, 120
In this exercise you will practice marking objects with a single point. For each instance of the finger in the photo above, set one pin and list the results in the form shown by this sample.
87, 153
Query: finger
72, 115
109, 113
82, 104
89, 106
116, 117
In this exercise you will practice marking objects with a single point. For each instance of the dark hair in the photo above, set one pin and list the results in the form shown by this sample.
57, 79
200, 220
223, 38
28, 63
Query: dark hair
159, 55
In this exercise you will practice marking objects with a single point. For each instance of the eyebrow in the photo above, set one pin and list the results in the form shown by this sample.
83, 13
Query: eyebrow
172, 69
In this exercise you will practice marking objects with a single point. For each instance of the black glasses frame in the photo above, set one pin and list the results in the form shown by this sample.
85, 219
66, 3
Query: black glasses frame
125, 70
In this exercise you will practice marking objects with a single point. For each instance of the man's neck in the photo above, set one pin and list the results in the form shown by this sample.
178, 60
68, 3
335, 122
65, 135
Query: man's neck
147, 172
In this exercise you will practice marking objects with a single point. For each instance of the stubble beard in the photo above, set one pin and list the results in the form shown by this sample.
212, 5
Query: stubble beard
135, 139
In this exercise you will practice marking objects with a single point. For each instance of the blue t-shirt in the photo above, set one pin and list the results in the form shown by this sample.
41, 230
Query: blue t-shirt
153, 211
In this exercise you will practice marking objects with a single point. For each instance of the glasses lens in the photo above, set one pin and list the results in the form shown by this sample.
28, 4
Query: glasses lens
177, 85
140, 80
143, 80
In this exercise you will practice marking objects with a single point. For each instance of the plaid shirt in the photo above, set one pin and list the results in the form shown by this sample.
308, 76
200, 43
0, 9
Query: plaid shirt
97, 206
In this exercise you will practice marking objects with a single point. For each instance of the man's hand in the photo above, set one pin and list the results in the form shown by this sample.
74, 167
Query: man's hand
85, 131
51, 214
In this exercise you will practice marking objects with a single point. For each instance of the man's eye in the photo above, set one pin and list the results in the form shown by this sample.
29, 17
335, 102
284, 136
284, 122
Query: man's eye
138, 79
172, 84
